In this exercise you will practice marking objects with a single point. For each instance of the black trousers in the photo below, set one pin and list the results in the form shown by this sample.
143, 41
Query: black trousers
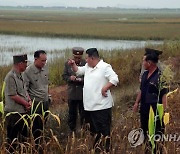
100, 124
16, 128
75, 106
37, 128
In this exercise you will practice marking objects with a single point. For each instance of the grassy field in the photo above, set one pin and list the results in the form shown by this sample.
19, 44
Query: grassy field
124, 24
113, 24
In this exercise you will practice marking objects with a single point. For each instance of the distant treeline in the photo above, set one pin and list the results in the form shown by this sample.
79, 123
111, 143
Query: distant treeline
120, 9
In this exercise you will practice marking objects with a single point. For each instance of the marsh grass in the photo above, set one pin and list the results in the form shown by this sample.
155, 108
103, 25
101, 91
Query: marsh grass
139, 25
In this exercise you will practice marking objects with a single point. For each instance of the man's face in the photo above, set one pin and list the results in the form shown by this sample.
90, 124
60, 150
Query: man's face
146, 64
22, 66
41, 61
89, 60
77, 58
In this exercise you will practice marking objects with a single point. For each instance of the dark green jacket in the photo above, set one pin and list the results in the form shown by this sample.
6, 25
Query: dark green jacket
75, 88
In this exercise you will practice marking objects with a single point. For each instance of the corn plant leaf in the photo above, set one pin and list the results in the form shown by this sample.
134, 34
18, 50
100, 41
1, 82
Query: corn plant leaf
166, 118
2, 92
55, 117
2, 96
151, 127
160, 110
2, 108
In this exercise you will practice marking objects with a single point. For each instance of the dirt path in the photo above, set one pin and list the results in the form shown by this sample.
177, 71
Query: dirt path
59, 95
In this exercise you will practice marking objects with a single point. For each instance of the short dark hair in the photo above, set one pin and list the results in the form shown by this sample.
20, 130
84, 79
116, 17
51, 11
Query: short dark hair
92, 52
38, 52
152, 57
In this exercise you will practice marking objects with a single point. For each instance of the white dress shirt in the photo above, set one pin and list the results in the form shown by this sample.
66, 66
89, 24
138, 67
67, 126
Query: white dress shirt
94, 80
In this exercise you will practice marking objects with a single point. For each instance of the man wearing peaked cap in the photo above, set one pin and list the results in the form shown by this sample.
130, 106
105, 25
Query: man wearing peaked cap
20, 58
151, 51
75, 89
97, 98
16, 100
77, 51
153, 54
151, 94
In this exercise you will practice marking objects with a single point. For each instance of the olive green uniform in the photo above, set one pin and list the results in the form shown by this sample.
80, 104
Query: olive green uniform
75, 95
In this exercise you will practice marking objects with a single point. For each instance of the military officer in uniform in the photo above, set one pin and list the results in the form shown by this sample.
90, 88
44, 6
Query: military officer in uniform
16, 100
75, 89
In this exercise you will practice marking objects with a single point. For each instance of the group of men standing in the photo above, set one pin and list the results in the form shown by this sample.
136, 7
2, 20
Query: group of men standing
89, 89
21, 89
89, 82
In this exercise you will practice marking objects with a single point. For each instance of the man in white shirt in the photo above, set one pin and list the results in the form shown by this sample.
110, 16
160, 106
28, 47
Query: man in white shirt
99, 77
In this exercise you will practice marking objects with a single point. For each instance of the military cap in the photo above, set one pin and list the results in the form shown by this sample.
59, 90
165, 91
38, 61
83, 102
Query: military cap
152, 51
77, 51
20, 58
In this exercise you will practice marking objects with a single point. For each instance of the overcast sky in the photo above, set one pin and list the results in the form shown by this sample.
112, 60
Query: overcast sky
96, 3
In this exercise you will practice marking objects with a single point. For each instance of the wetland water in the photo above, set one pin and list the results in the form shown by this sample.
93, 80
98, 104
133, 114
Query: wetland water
13, 44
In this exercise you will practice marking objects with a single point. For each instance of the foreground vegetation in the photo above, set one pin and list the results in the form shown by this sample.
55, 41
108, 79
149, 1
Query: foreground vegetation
84, 23
127, 64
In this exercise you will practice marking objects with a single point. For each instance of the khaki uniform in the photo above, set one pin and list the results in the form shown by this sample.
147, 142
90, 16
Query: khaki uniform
37, 83
15, 85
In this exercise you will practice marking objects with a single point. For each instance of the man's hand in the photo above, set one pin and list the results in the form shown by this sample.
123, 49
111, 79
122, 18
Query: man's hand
28, 106
104, 91
78, 79
135, 107
71, 62
72, 78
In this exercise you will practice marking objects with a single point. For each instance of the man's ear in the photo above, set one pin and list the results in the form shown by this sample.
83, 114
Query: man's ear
149, 62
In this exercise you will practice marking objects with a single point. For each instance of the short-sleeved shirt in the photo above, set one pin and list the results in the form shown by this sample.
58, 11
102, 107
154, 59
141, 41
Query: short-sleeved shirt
37, 82
151, 94
94, 80
14, 85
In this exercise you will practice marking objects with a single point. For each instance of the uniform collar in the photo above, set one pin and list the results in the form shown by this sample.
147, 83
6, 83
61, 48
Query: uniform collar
156, 71
36, 70
18, 74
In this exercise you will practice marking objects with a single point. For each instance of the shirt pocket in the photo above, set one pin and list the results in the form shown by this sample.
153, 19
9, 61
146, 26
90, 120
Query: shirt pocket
45, 79
21, 89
